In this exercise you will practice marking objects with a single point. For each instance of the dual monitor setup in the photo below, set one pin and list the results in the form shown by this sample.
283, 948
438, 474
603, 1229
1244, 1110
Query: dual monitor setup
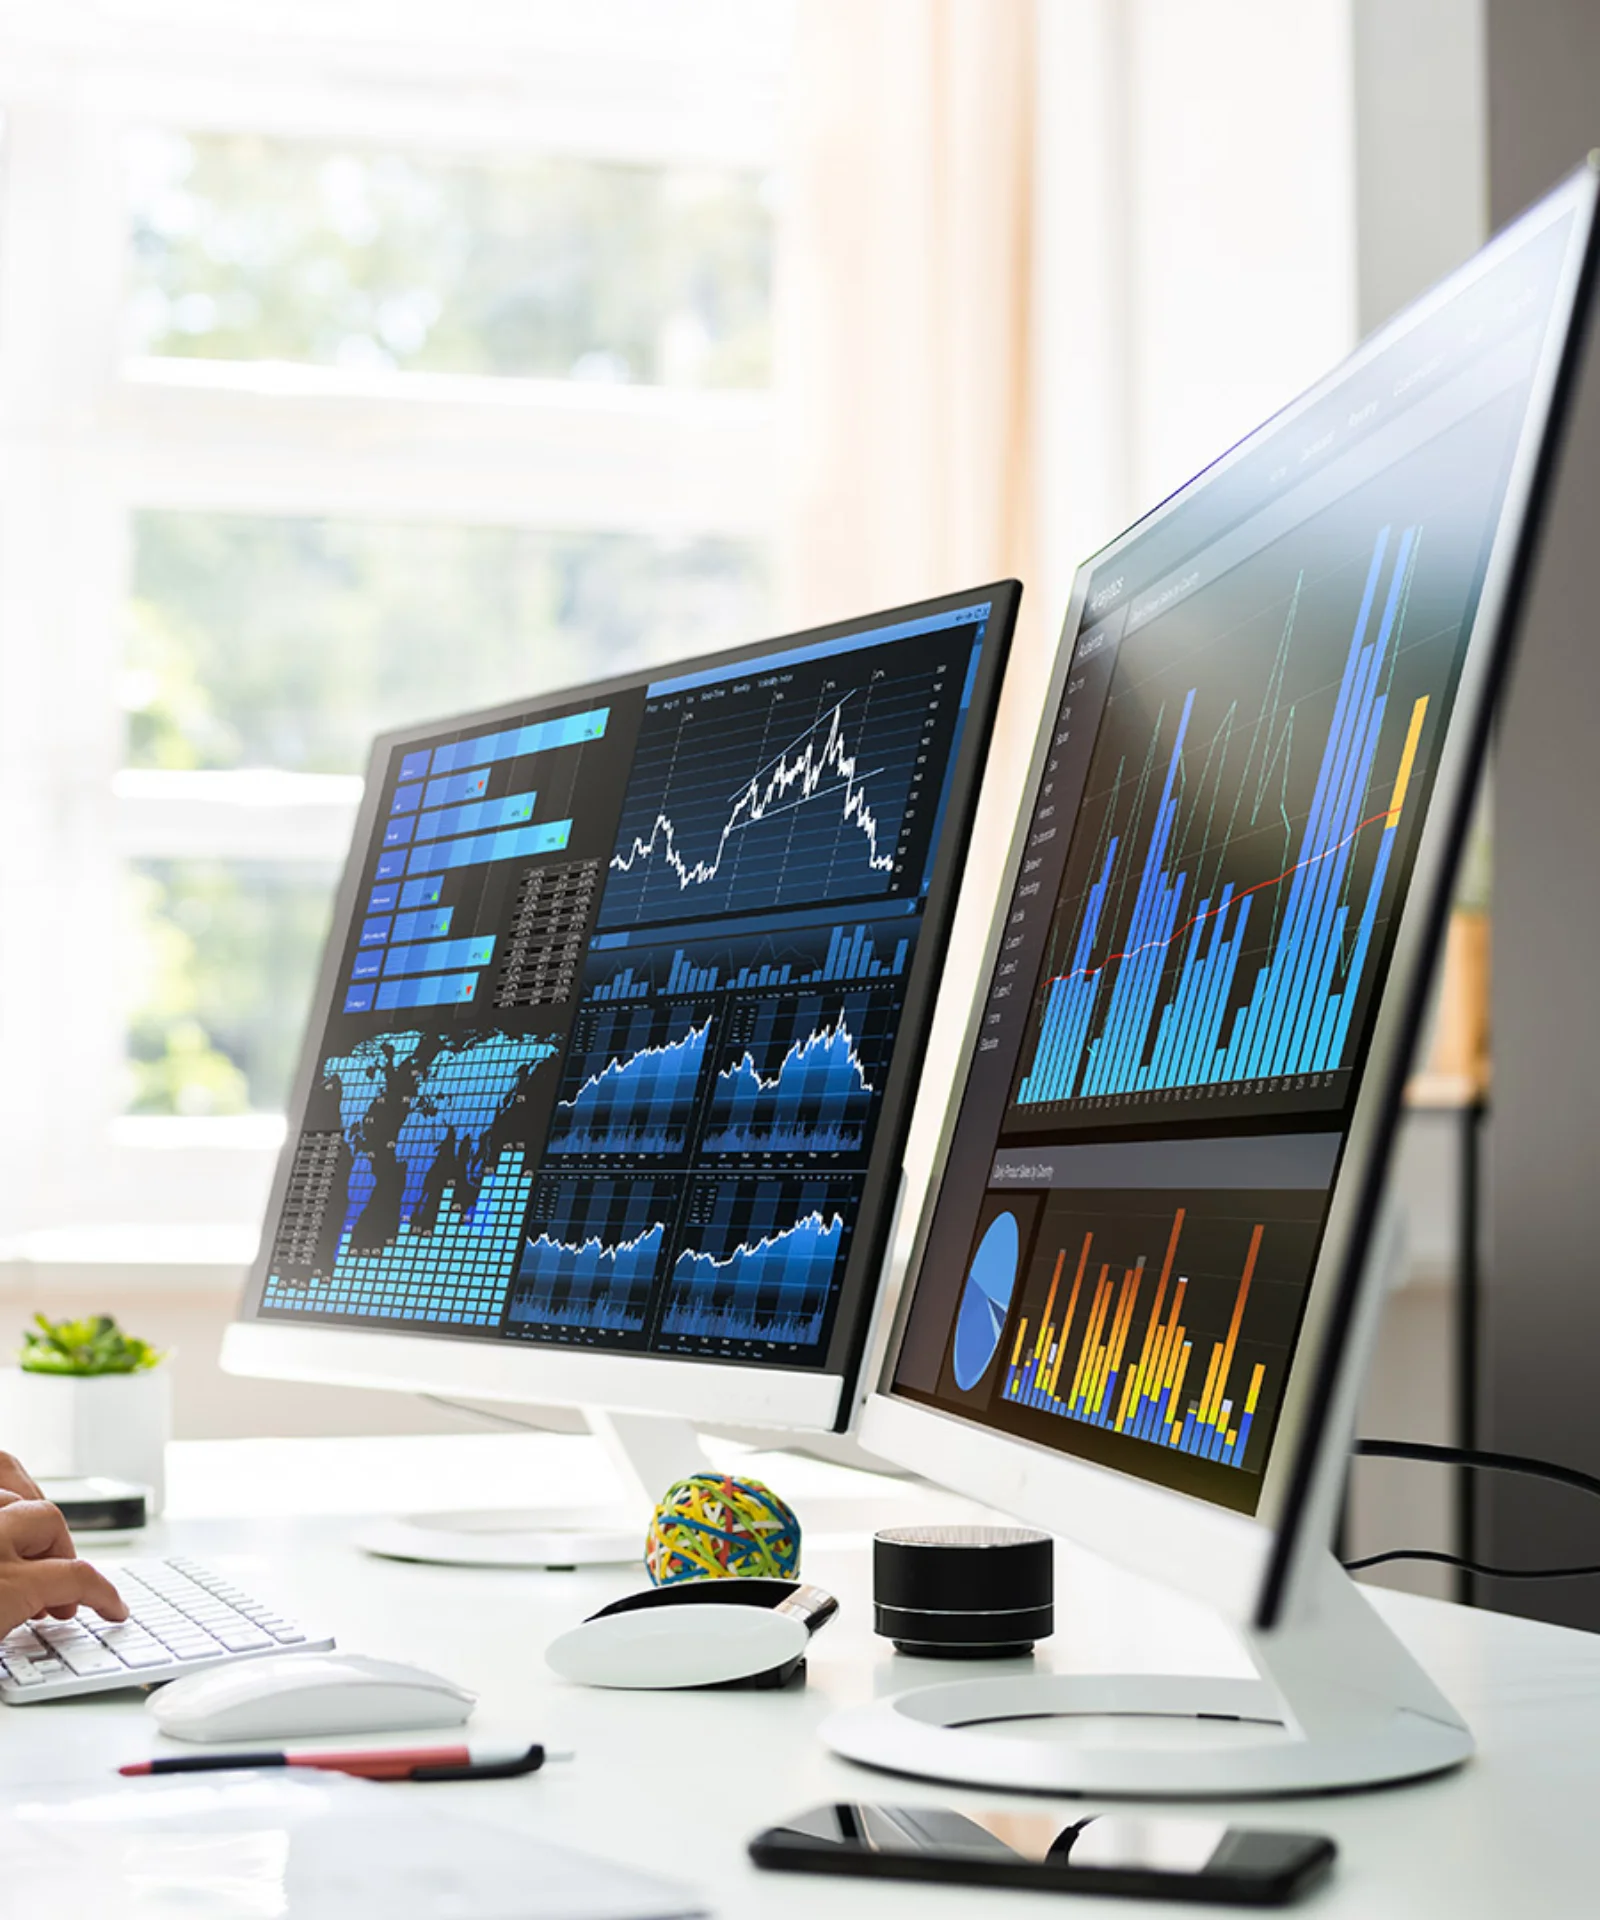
609, 1076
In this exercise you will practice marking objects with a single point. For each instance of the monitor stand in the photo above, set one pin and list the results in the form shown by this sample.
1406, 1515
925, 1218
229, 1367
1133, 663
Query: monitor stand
1339, 1703
649, 1452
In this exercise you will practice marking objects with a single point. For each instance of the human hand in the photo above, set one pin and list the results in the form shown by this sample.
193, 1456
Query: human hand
40, 1572
16, 1480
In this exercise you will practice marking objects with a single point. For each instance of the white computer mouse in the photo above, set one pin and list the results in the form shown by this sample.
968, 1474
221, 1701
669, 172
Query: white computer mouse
690, 1636
292, 1696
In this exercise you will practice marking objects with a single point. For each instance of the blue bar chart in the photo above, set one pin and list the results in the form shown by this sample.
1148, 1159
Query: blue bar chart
445, 823
836, 954
1181, 974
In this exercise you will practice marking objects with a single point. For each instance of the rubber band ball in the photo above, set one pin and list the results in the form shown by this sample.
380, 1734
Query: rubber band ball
715, 1527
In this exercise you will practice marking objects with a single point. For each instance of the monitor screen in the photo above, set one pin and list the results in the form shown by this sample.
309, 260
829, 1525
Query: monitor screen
1222, 833
625, 994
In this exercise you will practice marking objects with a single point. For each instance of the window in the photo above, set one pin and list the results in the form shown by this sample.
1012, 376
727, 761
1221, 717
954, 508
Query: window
356, 367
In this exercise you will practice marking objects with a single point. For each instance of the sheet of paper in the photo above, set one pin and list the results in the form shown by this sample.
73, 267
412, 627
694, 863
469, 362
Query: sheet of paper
287, 1846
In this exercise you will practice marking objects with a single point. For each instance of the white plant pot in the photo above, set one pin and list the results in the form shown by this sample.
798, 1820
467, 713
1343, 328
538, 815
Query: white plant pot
117, 1424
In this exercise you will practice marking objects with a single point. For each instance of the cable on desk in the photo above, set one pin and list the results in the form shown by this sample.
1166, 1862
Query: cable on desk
1467, 1566
1442, 1456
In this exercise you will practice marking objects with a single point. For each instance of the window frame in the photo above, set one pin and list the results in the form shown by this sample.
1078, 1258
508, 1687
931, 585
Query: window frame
89, 438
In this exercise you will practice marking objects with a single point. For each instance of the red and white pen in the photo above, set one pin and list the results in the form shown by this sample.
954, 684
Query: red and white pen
478, 1761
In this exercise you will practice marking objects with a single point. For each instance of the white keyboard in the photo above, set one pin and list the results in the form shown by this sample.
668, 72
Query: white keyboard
181, 1618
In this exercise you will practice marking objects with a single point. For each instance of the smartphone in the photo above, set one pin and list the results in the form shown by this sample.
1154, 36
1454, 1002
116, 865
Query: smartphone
1149, 1856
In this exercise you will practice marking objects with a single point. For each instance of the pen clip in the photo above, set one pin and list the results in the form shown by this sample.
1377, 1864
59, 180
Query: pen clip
529, 1762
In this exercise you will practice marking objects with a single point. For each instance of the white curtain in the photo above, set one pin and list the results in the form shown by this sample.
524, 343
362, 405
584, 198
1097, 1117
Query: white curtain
904, 354
904, 302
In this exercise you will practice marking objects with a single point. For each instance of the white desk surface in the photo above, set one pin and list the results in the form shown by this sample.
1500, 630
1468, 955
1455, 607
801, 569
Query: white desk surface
680, 1782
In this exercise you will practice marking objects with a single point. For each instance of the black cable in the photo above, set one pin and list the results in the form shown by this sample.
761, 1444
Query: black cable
1467, 1566
1478, 1457
1491, 1462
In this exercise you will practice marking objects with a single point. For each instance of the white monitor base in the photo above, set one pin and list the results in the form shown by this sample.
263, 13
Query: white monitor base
648, 1451
502, 1537
1340, 1703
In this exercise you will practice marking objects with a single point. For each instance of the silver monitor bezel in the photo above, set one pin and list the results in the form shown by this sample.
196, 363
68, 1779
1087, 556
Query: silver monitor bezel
528, 1371
1245, 1564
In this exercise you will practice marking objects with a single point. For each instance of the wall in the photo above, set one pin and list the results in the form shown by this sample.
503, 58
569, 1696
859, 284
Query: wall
1542, 1308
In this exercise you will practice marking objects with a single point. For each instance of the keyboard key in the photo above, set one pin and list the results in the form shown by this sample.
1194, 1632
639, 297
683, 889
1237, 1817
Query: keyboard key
21, 1671
57, 1634
90, 1657
287, 1636
194, 1646
128, 1638
243, 1638
153, 1655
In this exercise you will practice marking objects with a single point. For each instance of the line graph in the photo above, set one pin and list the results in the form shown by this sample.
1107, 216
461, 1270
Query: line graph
759, 1261
591, 1255
632, 1076
792, 778
799, 789
800, 1075
1223, 909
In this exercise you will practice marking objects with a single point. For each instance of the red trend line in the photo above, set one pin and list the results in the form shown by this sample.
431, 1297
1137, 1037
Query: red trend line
1259, 887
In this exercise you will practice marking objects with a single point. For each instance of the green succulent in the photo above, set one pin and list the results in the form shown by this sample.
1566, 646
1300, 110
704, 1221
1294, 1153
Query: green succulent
84, 1348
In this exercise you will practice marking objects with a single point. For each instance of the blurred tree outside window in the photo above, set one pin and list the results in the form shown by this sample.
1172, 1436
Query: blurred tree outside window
249, 248
227, 958
288, 643
363, 365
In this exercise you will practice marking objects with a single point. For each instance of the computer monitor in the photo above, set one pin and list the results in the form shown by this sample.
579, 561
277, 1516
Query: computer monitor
608, 1074
1143, 1292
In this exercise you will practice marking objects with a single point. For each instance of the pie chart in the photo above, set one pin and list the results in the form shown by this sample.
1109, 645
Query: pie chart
985, 1300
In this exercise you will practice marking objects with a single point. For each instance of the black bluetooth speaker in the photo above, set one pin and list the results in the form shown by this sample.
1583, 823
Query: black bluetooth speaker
963, 1593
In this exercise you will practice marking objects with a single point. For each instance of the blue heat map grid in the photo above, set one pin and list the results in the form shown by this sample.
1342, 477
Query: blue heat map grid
416, 1125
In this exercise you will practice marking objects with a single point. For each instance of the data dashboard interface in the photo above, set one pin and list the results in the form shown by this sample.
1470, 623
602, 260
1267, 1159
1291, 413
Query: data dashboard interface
613, 1041
1221, 837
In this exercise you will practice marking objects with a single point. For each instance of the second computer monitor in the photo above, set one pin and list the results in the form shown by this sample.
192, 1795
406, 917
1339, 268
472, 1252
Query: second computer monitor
604, 1092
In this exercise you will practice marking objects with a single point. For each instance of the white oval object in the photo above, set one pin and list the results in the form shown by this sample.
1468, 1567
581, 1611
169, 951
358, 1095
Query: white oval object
688, 1646
293, 1696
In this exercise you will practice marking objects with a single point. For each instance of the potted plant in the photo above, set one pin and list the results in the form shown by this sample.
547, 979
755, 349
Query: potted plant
87, 1398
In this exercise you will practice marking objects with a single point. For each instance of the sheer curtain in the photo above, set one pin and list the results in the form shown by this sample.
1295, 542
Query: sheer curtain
905, 320
905, 301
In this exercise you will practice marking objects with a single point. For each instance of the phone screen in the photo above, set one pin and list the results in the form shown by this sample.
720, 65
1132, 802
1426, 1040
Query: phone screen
1125, 1851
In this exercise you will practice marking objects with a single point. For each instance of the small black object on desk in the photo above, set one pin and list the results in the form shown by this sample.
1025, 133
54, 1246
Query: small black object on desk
963, 1593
